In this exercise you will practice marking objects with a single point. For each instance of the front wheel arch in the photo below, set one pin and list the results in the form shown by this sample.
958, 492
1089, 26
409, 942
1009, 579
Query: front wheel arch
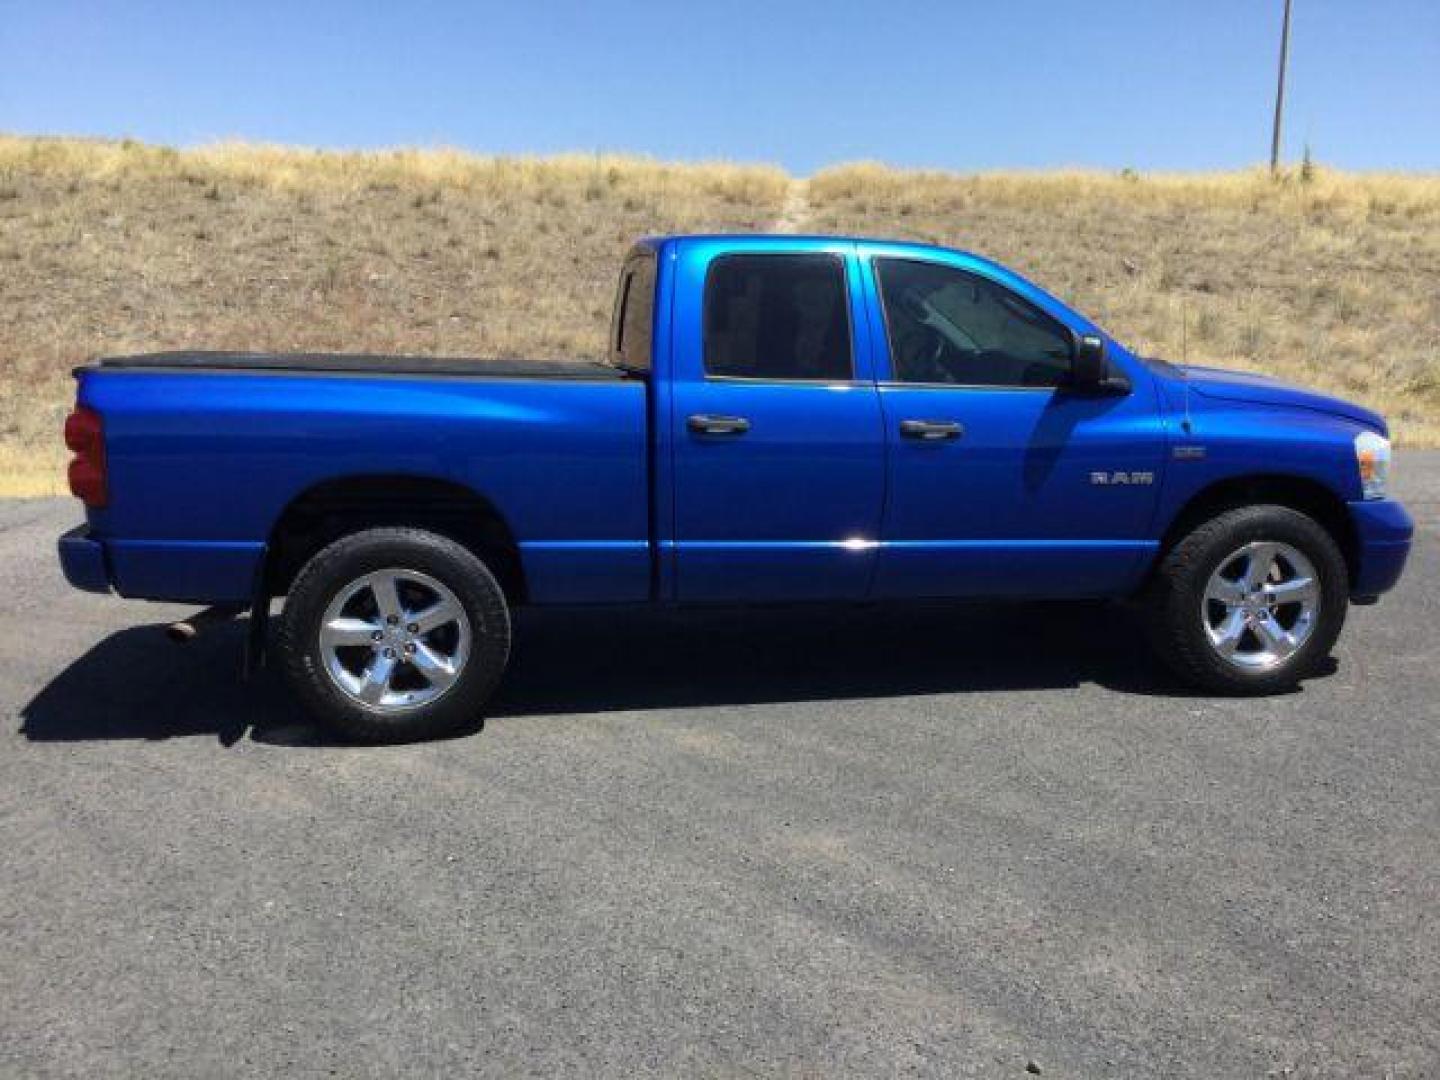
1298, 493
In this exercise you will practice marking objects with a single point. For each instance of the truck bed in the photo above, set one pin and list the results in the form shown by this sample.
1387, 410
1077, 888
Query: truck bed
206, 452
368, 363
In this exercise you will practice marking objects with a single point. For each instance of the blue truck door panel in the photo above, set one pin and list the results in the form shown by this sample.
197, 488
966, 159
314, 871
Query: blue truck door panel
997, 491
789, 507
1010, 508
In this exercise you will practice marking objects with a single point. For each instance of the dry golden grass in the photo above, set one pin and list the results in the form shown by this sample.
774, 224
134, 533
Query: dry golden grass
118, 247
1330, 279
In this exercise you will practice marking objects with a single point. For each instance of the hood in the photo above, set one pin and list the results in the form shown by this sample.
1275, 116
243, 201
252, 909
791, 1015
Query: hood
1256, 389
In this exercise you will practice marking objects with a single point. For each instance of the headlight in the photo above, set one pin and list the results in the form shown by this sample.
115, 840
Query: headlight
1372, 455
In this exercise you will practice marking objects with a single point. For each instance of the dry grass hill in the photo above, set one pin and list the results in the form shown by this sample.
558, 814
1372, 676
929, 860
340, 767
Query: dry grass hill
106, 247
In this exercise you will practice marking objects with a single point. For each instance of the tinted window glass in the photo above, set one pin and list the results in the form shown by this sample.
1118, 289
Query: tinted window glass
635, 313
947, 326
777, 317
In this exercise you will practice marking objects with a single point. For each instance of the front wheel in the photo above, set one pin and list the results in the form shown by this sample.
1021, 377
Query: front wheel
394, 634
1250, 602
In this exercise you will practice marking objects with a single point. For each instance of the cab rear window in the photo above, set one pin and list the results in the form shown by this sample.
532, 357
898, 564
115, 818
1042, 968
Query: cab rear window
633, 322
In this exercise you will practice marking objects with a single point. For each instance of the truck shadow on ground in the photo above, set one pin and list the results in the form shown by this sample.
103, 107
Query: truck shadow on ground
137, 685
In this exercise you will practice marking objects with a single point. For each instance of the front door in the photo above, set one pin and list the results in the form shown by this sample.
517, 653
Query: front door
1003, 482
775, 425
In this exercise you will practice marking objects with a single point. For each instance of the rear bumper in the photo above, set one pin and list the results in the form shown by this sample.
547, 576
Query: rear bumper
1384, 530
83, 561
205, 572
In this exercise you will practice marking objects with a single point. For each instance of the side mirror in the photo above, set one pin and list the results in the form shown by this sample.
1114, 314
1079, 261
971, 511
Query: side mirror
1090, 371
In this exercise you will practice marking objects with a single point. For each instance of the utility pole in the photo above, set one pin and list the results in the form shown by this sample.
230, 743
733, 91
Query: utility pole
1280, 91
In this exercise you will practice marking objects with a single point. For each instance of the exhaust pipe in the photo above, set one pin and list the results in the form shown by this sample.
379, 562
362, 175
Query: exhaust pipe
187, 630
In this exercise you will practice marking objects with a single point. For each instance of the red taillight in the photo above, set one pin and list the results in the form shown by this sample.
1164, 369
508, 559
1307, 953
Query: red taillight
85, 436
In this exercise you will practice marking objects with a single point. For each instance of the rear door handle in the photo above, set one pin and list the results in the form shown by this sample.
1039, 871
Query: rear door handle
931, 430
710, 424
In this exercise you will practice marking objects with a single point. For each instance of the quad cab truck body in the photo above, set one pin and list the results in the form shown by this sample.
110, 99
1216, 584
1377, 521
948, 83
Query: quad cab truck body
781, 419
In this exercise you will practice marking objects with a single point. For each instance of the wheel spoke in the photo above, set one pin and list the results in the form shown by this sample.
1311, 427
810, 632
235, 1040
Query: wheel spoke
436, 616
1300, 590
344, 630
1225, 590
1261, 562
1226, 637
376, 680
438, 670
385, 588
1275, 637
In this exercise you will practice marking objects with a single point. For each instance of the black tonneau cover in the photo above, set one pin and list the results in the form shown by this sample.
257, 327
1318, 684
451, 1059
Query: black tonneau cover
367, 363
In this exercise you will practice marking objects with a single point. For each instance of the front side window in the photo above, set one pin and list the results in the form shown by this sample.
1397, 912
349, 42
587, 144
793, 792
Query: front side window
949, 326
777, 317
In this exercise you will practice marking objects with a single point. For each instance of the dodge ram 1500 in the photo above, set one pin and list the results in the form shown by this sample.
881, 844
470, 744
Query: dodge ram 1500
779, 419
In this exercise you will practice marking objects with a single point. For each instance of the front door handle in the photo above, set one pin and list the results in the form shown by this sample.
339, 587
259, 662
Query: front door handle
931, 430
710, 424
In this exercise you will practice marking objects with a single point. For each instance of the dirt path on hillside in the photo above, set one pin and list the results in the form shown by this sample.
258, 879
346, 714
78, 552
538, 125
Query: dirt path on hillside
795, 211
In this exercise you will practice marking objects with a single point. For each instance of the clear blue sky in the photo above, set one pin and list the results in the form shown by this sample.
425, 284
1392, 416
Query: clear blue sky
963, 84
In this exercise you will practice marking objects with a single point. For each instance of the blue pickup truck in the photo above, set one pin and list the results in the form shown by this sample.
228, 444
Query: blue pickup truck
780, 419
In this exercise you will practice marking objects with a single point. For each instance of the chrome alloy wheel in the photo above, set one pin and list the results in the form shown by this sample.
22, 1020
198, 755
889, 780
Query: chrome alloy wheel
394, 640
1261, 605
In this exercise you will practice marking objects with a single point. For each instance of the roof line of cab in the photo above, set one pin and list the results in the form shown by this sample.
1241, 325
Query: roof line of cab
869, 245
809, 240
865, 245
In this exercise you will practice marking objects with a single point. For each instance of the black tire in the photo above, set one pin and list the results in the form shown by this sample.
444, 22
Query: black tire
1175, 599
350, 558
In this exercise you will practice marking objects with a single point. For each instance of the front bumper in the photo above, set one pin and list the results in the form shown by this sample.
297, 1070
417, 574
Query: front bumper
1383, 530
83, 561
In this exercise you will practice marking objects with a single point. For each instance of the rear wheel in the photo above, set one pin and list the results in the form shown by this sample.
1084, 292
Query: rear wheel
1249, 602
394, 634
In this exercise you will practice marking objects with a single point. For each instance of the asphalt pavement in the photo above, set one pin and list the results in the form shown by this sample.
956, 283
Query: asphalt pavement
935, 842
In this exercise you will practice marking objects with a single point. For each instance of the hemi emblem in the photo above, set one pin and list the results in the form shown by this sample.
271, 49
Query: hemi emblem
1122, 479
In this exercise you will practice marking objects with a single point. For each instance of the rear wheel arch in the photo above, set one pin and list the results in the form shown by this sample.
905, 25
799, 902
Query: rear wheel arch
324, 512
1302, 494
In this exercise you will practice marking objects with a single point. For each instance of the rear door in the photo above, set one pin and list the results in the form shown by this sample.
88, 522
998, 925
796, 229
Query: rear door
778, 466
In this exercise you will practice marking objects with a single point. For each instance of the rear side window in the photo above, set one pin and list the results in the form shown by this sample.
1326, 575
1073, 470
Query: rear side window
777, 317
633, 324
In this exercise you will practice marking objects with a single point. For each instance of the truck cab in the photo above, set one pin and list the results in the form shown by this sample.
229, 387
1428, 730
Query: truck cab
878, 421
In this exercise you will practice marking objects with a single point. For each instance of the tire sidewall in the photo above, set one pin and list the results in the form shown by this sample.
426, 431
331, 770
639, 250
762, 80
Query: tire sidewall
353, 556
